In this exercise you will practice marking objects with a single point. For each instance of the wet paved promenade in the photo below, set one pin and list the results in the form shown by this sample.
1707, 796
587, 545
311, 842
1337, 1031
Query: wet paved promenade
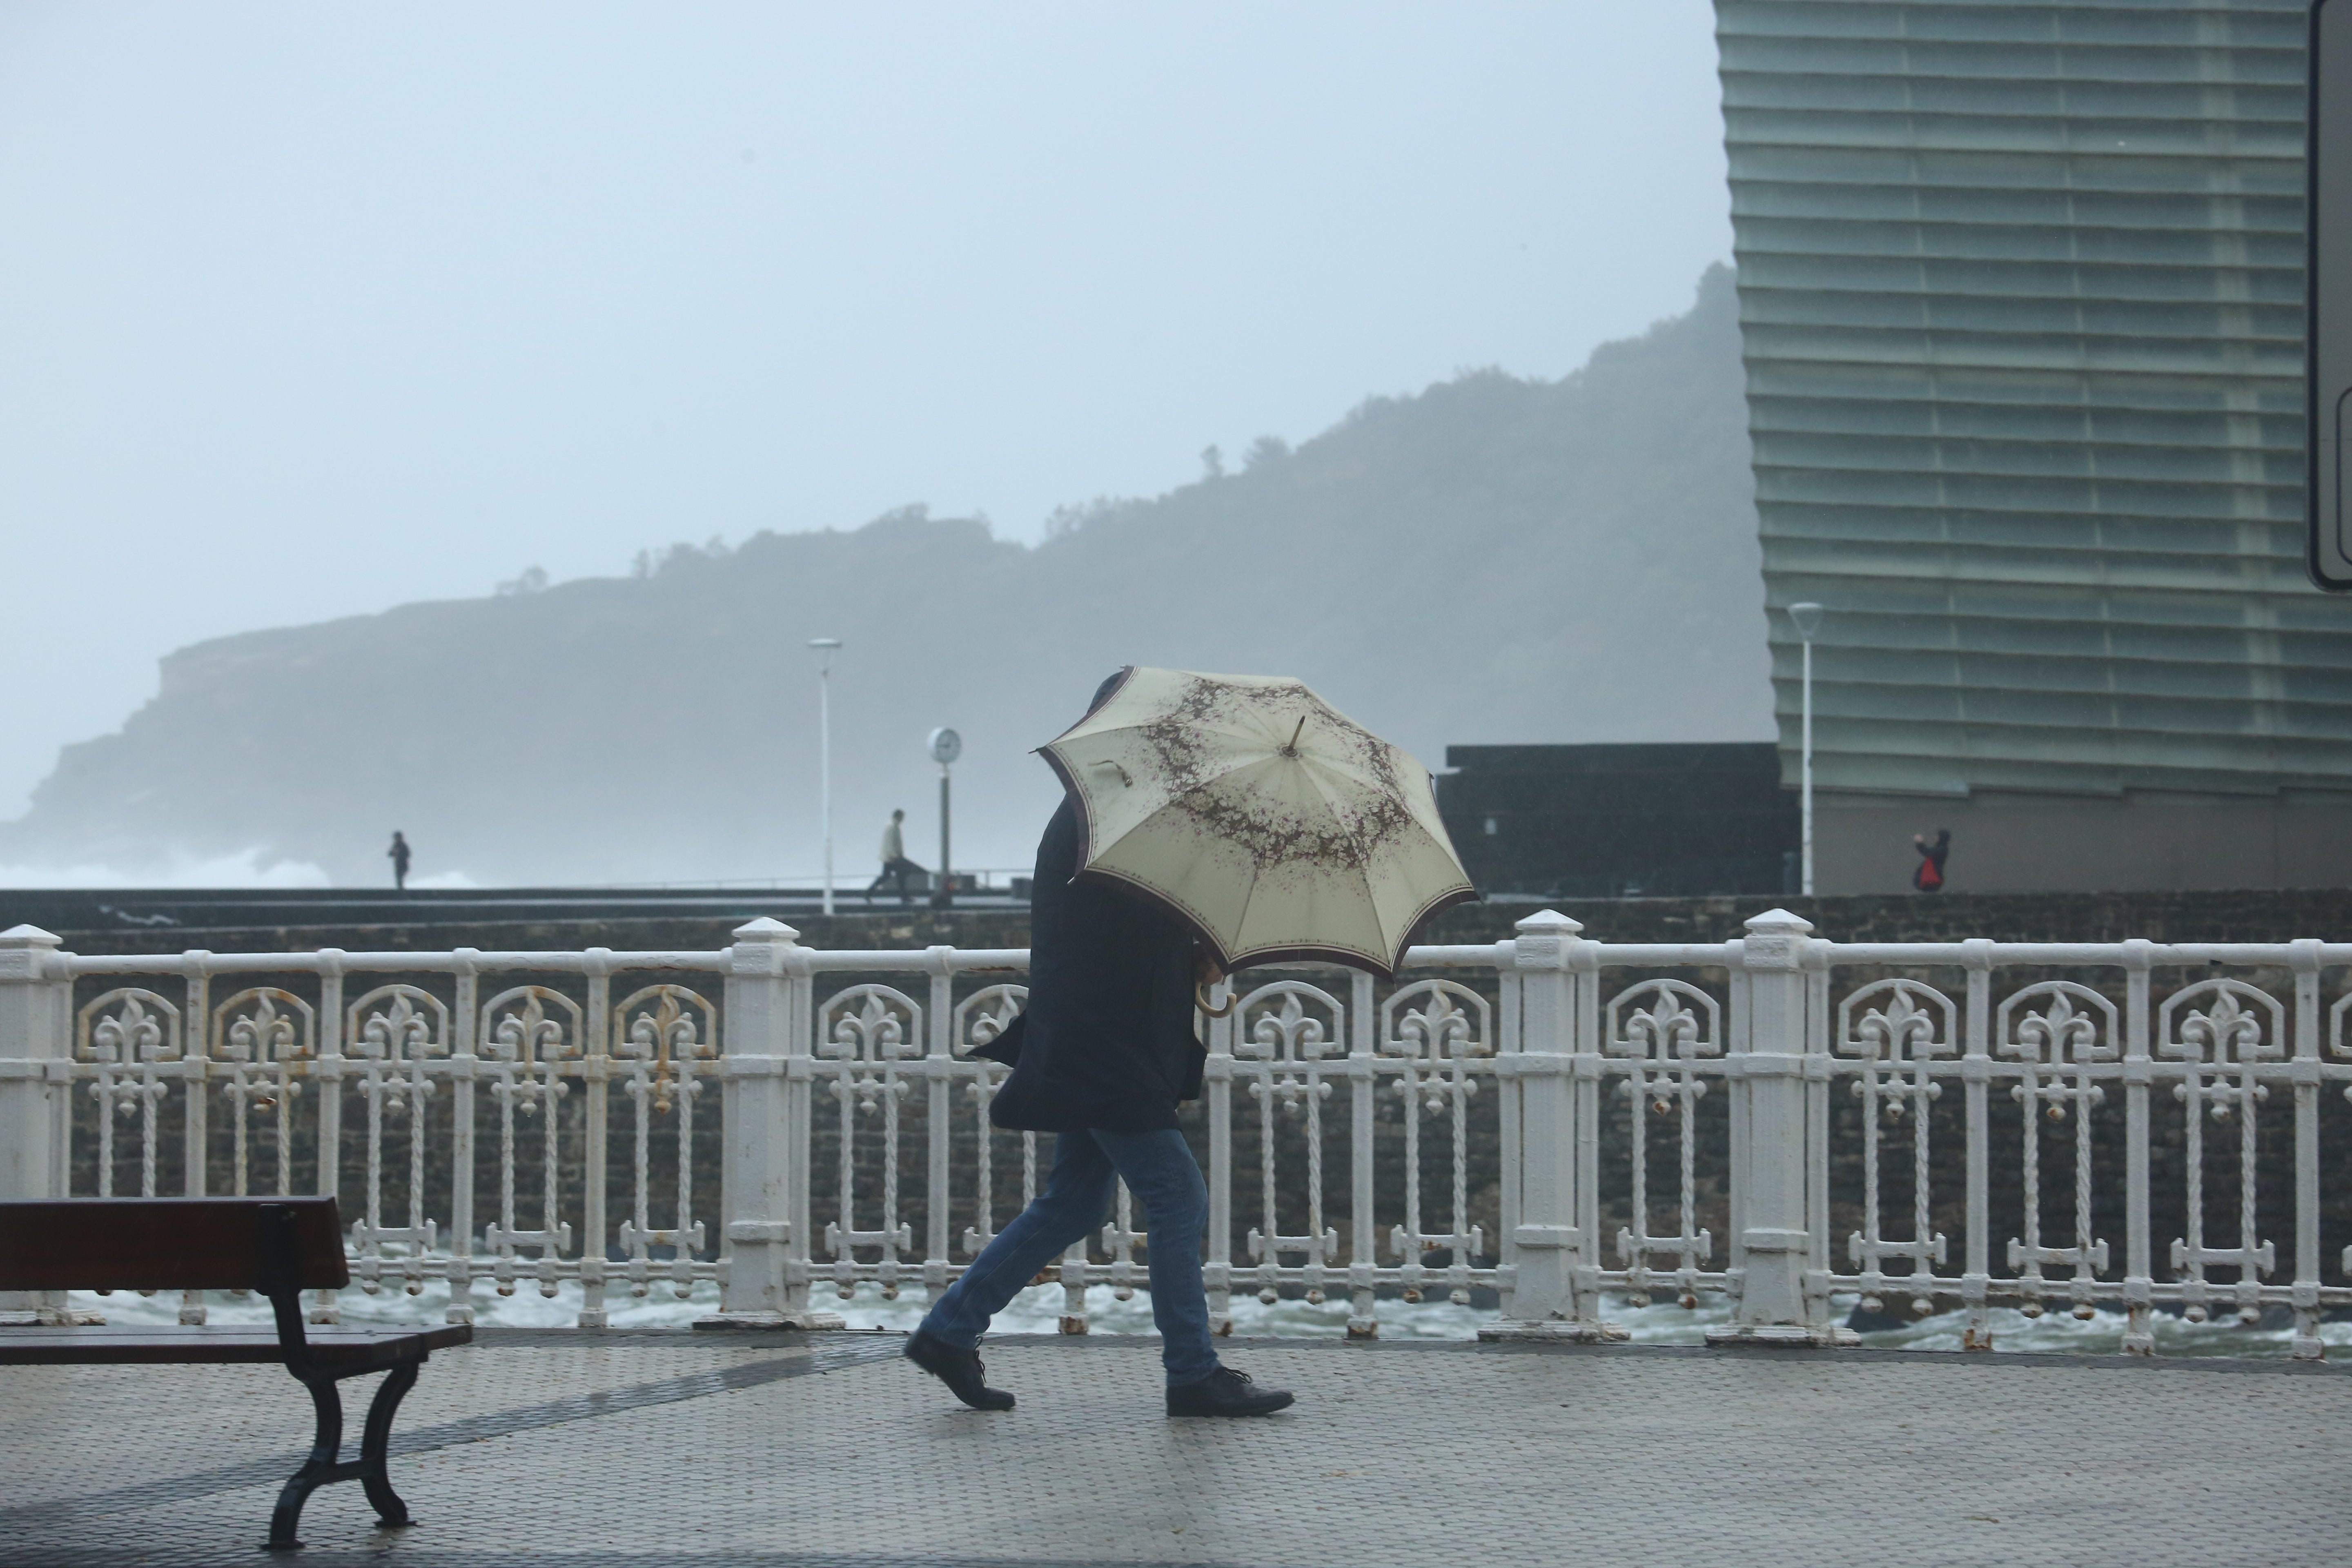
564, 1447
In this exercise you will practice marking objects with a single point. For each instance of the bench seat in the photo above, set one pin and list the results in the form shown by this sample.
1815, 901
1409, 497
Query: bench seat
277, 1247
358, 1348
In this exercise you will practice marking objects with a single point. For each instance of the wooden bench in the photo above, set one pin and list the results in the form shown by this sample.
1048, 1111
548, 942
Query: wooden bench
278, 1247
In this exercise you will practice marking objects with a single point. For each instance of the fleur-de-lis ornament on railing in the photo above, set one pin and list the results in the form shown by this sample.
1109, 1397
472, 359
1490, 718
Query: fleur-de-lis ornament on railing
2058, 1035
127, 1047
264, 1036
393, 1028
1288, 1033
874, 1029
1900, 1029
1440, 1026
2226, 1034
667, 1035
1442, 1030
1280, 1028
1899, 1033
130, 1034
2228, 1030
528, 1030
2055, 1048
529, 1038
1666, 1029
262, 1033
398, 1033
2058, 1032
2218, 1045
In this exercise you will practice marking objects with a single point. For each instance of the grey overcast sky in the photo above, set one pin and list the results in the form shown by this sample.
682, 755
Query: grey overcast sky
309, 309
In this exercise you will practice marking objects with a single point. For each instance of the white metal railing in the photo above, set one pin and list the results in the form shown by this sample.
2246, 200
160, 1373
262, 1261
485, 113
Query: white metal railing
1547, 1117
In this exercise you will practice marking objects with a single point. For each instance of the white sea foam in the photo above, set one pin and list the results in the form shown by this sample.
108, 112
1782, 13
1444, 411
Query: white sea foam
245, 868
1037, 1311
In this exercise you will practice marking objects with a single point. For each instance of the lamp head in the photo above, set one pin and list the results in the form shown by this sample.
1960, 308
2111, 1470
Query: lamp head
1807, 619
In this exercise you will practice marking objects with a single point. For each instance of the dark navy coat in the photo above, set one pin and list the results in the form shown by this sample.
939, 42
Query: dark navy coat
1107, 1037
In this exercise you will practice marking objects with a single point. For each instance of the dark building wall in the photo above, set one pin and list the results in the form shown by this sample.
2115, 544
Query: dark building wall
2018, 842
2022, 299
1610, 821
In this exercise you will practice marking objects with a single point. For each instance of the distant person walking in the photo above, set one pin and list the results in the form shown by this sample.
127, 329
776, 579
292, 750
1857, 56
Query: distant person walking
895, 867
399, 852
1928, 878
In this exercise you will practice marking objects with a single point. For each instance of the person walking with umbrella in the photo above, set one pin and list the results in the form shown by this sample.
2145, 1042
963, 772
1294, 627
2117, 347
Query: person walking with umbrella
1169, 773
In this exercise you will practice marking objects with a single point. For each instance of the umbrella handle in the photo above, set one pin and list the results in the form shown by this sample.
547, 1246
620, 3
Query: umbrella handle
1201, 996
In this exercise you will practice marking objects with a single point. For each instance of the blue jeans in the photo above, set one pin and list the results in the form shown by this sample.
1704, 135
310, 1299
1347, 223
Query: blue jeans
1160, 1169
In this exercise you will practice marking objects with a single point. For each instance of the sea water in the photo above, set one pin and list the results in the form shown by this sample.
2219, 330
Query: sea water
1038, 1310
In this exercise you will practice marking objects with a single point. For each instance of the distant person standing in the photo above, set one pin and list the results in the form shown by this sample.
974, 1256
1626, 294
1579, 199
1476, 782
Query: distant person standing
895, 867
399, 852
1928, 878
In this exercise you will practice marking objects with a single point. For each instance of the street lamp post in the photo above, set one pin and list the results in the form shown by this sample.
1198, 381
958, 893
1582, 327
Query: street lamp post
945, 746
827, 648
1806, 617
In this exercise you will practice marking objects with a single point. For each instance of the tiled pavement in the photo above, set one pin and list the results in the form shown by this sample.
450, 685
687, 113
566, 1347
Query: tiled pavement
585, 1449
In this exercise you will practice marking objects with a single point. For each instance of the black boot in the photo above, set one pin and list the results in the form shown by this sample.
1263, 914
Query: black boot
960, 1370
1225, 1392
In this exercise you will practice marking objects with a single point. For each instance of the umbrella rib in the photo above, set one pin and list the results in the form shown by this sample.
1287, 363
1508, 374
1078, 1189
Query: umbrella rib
1176, 797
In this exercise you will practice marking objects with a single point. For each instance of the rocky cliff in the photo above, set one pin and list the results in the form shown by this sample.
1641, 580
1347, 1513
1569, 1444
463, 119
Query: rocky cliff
1492, 560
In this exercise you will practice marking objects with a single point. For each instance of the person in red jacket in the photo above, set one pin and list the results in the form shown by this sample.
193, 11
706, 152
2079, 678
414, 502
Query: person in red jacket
1929, 876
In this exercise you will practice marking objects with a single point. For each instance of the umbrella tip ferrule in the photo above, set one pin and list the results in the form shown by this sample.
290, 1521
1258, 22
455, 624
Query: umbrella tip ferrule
1291, 748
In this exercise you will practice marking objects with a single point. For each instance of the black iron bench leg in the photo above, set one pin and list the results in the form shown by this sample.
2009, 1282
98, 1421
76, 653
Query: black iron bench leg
326, 1466
326, 1447
375, 1438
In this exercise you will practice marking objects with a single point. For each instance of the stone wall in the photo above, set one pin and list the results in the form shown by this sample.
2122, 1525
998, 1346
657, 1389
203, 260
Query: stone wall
2250, 915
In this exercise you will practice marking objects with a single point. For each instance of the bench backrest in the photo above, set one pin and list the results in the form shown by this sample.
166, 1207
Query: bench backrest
172, 1244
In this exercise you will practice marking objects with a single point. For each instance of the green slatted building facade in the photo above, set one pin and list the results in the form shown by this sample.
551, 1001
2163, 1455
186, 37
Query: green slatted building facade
2021, 296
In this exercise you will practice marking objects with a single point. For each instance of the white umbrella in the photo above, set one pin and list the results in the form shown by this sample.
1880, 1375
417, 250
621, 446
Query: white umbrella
1279, 827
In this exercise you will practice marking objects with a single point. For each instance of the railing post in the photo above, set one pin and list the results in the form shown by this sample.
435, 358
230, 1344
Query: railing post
35, 1062
1217, 1091
1780, 1144
1364, 1233
1554, 1274
763, 1159
327, 1072
1976, 1076
2139, 1076
939, 1125
596, 1072
464, 1061
2308, 1346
